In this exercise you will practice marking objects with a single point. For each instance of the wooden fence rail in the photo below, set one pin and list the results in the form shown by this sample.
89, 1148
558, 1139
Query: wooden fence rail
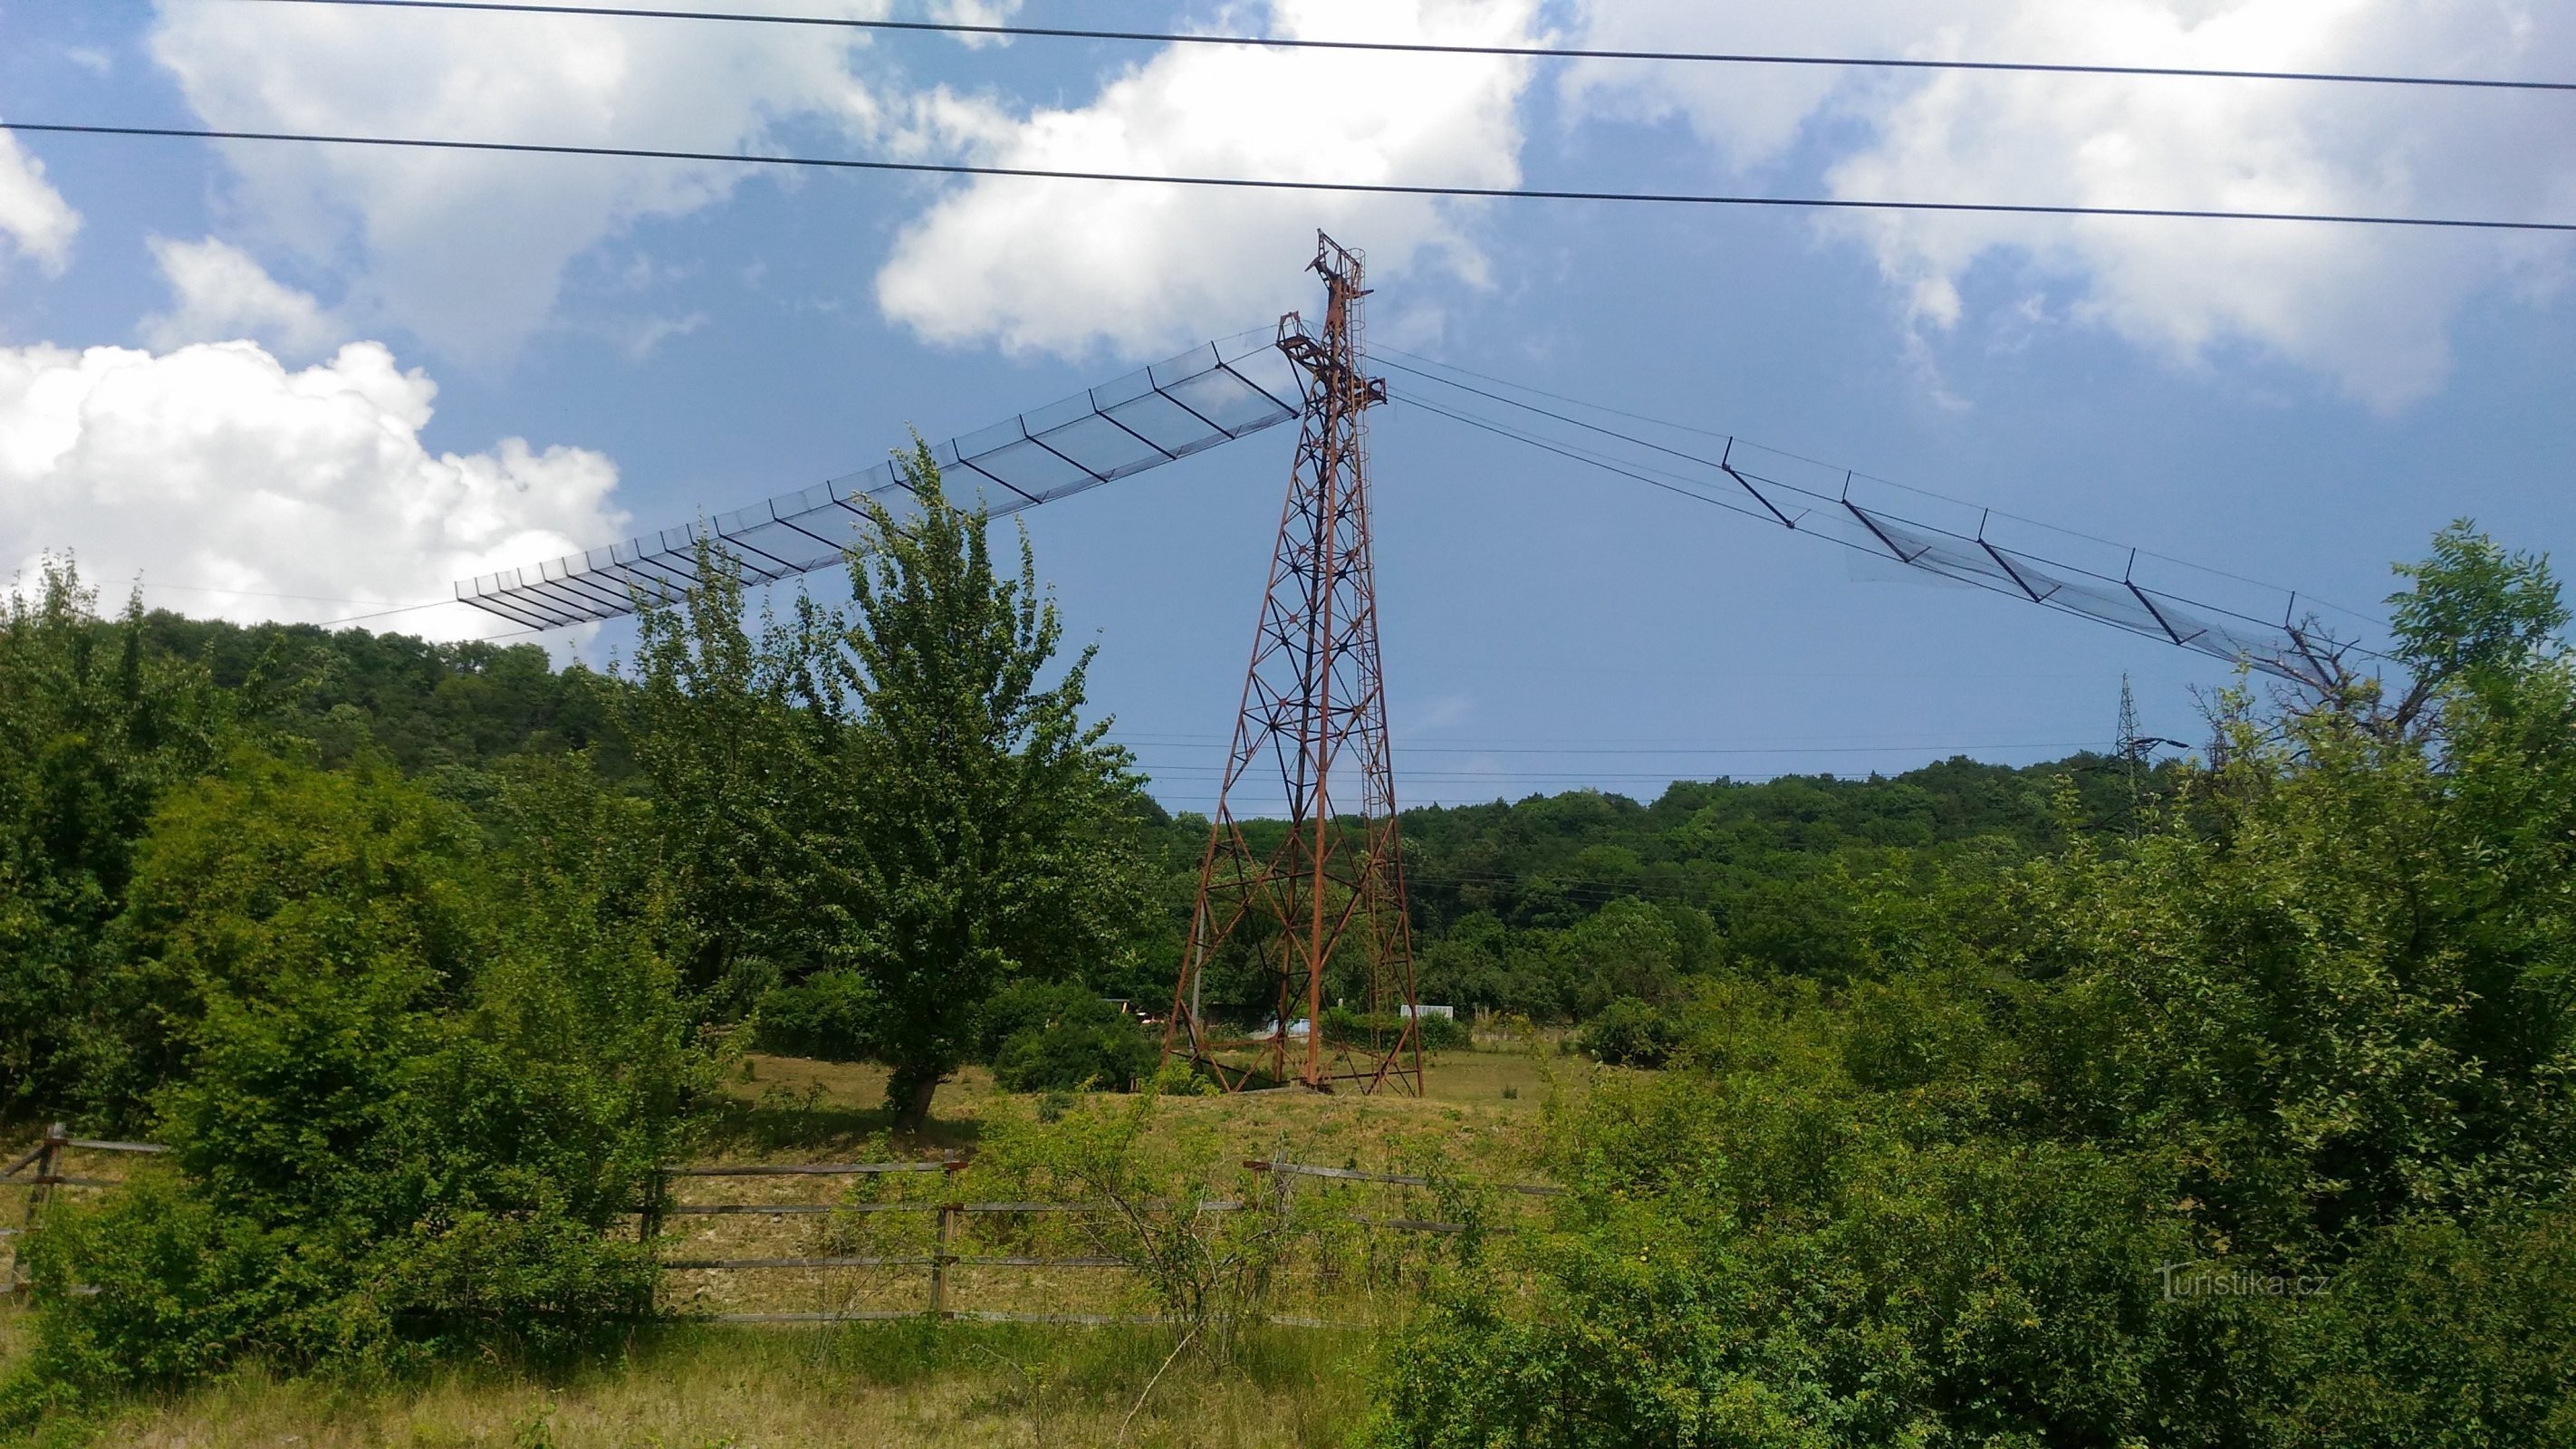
47, 1161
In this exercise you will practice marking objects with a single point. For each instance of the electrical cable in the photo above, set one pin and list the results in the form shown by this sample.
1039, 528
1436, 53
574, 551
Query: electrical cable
1579, 456
262, 594
1248, 183
1902, 747
1800, 457
322, 599
1569, 452
1403, 47
1686, 491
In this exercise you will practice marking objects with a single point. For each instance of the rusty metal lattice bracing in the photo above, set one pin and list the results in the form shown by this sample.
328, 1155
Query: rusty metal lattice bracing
1321, 915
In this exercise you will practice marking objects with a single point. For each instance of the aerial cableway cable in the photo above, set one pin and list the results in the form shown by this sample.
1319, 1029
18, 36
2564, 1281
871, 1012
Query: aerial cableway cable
2289, 646
1424, 47
1728, 440
1255, 183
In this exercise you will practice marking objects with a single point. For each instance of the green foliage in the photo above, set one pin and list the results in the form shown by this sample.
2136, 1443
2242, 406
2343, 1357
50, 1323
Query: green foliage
1059, 1036
95, 727
271, 864
976, 829
1074, 1056
2441, 1334
415, 1086
709, 715
1438, 1033
1203, 1236
1629, 1033
2310, 1037
450, 711
1554, 906
2476, 612
874, 822
824, 1016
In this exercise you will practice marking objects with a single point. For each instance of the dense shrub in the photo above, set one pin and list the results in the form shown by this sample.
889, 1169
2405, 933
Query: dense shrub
1629, 1033
420, 1089
95, 728
1071, 1056
825, 1016
1041, 1036
2253, 1130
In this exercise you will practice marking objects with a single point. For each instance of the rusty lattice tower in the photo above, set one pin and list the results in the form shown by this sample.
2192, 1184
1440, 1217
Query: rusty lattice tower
1288, 928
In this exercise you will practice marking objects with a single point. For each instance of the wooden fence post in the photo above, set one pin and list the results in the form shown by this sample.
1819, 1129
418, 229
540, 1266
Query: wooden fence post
657, 1192
940, 1256
49, 1171
648, 1233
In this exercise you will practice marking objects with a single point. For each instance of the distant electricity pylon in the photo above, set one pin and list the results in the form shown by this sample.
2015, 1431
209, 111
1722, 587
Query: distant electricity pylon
1277, 922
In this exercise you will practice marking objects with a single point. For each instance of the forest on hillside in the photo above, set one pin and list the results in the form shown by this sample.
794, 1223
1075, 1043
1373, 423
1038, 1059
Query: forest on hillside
2222, 1102
1547, 907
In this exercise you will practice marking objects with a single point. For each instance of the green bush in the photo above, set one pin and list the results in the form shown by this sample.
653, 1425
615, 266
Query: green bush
1068, 1056
389, 1142
1027, 1005
1629, 1033
824, 1016
1059, 1036
2248, 1129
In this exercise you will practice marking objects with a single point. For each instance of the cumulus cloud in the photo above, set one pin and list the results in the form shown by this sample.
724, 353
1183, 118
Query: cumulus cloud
265, 492
219, 293
1074, 267
34, 217
2369, 309
467, 251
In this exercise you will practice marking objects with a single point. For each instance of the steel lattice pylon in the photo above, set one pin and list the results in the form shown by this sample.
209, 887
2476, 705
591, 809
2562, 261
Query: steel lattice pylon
1314, 707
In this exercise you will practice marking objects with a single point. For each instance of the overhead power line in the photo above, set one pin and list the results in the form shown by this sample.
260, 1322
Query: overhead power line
1405, 47
1247, 183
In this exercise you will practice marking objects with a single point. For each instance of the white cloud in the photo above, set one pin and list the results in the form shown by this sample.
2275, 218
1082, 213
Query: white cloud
33, 215
2368, 308
976, 12
468, 251
217, 470
1072, 267
220, 294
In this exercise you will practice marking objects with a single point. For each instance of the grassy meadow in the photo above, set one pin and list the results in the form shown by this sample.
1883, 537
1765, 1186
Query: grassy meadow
690, 1384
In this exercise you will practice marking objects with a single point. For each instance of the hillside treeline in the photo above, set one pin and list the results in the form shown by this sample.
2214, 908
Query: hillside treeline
1550, 907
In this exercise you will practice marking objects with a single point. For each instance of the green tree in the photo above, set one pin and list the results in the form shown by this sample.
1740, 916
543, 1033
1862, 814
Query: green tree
419, 1084
709, 712
95, 727
978, 830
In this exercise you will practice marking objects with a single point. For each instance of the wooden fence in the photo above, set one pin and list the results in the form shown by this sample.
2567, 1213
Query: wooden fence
952, 1215
953, 1222
47, 1175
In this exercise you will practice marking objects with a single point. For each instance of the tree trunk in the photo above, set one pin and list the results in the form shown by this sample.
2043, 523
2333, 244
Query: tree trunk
908, 1092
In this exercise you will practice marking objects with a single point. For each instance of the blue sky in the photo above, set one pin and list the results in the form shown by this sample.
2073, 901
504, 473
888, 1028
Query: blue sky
243, 373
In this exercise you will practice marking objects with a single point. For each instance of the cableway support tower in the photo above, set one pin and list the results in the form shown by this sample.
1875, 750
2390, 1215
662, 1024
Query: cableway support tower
1287, 923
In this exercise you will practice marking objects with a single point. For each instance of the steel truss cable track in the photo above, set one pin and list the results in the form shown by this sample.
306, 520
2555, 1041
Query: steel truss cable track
1975, 547
1226, 390
1209, 395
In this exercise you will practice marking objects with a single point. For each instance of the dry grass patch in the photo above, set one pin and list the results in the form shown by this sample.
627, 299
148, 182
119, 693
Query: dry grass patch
873, 1385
